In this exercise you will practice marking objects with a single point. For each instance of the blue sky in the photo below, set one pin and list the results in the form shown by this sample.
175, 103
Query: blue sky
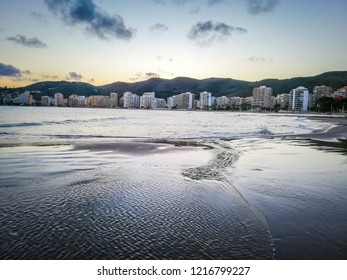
103, 41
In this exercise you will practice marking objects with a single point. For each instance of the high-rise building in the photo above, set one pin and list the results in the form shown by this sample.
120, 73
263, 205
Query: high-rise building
45, 101
25, 98
262, 97
171, 102
205, 100
131, 100
104, 101
73, 100
235, 102
58, 99
222, 102
113, 100
136, 101
81, 101
146, 100
299, 99
183, 101
128, 100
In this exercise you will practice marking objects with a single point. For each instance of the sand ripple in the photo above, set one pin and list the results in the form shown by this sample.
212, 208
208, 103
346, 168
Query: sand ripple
139, 211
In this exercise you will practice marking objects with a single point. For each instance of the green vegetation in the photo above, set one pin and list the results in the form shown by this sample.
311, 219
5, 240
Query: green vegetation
329, 104
165, 88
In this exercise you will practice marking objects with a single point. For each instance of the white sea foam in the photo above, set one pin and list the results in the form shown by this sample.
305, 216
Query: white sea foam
30, 125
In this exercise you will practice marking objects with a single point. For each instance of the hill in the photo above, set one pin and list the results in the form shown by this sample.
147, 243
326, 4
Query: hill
165, 88
225, 86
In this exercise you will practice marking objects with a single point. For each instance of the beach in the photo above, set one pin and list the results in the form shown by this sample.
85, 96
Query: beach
189, 186
338, 131
303, 198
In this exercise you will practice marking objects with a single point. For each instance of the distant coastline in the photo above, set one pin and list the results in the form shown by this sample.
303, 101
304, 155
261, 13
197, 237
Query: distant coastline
326, 92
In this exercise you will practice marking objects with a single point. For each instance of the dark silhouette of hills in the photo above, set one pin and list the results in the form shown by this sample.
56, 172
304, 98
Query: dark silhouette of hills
165, 88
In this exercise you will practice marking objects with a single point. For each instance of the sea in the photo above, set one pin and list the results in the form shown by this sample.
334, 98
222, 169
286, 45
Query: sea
83, 183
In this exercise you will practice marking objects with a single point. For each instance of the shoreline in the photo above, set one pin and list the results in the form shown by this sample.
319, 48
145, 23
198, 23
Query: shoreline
338, 131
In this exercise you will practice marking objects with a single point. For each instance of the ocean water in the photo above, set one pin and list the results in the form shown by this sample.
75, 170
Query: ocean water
142, 184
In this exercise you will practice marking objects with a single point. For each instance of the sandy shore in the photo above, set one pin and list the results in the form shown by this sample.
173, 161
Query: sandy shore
338, 131
137, 148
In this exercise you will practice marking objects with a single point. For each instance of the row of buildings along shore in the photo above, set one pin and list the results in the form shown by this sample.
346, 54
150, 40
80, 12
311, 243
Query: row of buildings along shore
298, 99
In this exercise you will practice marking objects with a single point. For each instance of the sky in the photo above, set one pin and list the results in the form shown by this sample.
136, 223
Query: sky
104, 41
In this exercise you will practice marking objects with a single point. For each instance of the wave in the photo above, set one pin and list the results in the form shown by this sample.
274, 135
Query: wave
6, 125
260, 132
90, 136
63, 122
265, 131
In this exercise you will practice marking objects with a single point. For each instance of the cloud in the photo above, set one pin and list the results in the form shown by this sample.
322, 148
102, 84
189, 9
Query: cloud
50, 77
214, 2
23, 79
148, 75
27, 42
194, 11
73, 76
256, 7
16, 74
259, 59
175, 2
39, 17
26, 72
138, 76
9, 70
158, 28
205, 33
164, 58
95, 20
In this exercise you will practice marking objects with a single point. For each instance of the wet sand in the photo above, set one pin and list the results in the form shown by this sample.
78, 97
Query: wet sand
142, 148
254, 198
338, 131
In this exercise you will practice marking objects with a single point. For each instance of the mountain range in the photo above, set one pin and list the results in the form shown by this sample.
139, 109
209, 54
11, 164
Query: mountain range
165, 87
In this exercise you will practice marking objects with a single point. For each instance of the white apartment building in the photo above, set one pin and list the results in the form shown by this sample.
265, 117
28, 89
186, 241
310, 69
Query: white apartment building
45, 101
73, 100
171, 102
185, 101
25, 98
236, 102
113, 100
58, 99
205, 100
128, 100
299, 99
131, 100
146, 100
136, 101
262, 97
